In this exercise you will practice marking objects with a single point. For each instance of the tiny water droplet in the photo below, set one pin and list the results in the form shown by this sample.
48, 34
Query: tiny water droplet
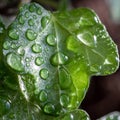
39, 12
21, 19
31, 35
30, 22
49, 108
44, 73
13, 34
32, 8
27, 64
43, 96
59, 59
14, 61
34, 16
6, 45
27, 59
36, 48
51, 40
21, 50
44, 21
64, 79
39, 61
64, 100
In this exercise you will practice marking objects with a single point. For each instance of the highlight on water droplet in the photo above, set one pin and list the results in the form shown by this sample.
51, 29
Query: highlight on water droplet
39, 61
14, 61
44, 21
44, 73
43, 96
36, 48
59, 59
49, 108
13, 34
64, 100
51, 40
31, 35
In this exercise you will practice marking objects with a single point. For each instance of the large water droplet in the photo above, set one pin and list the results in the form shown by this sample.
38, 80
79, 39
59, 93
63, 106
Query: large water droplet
64, 79
13, 34
32, 8
44, 21
6, 45
43, 96
39, 12
4, 106
31, 35
64, 100
31, 22
14, 61
87, 39
51, 40
36, 48
21, 19
39, 61
44, 73
49, 108
59, 59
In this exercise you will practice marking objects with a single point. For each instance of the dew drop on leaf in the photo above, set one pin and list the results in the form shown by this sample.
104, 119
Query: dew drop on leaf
39, 12
43, 96
21, 51
44, 73
64, 100
44, 21
21, 19
39, 61
14, 61
13, 34
49, 108
27, 14
36, 48
30, 22
32, 8
6, 45
13, 45
59, 59
51, 40
31, 35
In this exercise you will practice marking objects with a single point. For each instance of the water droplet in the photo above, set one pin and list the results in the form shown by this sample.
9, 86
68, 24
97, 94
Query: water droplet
14, 61
27, 14
34, 16
64, 79
21, 20
30, 22
14, 45
59, 59
44, 73
32, 8
51, 40
87, 39
44, 21
49, 108
27, 64
27, 59
6, 45
64, 100
31, 35
13, 34
43, 96
39, 61
39, 12
36, 48
21, 50
4, 106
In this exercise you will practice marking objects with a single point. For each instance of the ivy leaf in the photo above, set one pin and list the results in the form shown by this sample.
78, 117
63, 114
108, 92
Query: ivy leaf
55, 54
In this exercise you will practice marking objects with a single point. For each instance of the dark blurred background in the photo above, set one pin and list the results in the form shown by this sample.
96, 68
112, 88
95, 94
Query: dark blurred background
103, 95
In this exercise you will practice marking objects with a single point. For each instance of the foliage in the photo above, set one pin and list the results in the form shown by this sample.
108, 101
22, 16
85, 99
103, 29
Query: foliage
49, 59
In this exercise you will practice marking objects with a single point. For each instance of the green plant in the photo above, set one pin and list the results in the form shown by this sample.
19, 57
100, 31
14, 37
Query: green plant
48, 60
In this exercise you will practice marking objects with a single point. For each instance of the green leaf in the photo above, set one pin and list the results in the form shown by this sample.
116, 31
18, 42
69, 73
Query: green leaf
55, 54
